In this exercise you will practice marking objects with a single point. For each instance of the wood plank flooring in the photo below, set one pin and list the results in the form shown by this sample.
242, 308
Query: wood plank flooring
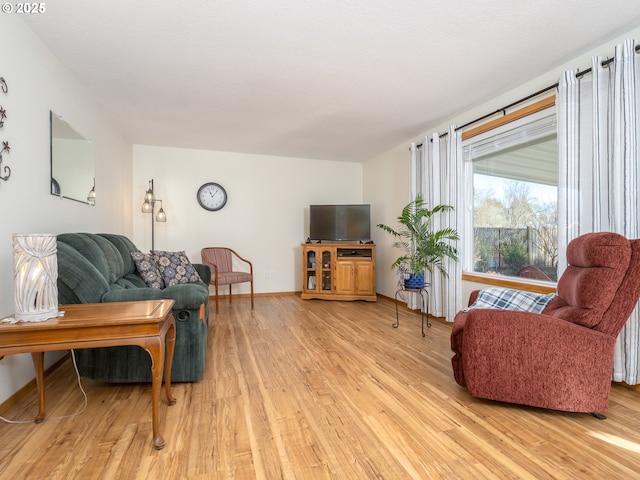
316, 390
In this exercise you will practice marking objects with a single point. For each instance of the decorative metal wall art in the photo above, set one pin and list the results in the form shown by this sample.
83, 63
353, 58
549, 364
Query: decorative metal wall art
5, 169
5, 144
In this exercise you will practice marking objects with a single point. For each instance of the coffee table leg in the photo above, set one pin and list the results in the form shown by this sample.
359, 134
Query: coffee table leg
38, 365
170, 341
156, 350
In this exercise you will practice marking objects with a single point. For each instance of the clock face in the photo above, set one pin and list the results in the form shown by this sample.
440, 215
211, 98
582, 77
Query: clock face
211, 196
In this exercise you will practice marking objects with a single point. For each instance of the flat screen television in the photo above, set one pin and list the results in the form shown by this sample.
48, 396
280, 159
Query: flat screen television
340, 223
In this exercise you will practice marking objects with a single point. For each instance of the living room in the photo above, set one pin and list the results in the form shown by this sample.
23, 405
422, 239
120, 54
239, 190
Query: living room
266, 218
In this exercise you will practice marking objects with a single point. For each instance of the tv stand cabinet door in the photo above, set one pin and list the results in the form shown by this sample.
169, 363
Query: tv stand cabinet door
355, 277
345, 277
365, 277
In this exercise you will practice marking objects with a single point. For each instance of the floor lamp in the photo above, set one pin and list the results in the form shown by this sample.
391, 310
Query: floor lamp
149, 206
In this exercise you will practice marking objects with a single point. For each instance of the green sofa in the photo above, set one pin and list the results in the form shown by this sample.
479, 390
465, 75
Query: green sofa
94, 268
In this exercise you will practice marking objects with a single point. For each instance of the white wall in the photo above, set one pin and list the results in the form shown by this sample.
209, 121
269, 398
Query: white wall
386, 188
266, 217
386, 177
37, 84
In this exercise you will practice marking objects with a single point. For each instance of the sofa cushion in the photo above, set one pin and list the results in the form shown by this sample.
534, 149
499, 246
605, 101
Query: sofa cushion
187, 296
79, 281
148, 269
98, 251
131, 280
115, 267
125, 247
175, 268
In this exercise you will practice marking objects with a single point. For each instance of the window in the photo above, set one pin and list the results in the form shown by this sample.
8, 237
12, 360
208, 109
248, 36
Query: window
513, 198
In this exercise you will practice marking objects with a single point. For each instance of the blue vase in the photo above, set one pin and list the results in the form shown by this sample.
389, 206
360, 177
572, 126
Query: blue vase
415, 280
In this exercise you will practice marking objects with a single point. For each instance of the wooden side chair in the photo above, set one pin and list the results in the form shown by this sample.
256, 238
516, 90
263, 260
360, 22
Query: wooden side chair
220, 260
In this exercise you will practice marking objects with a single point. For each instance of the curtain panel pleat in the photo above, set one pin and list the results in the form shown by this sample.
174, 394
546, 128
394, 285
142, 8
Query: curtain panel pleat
598, 181
416, 186
439, 164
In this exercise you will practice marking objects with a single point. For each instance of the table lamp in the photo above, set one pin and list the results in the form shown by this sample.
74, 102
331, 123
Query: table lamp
35, 275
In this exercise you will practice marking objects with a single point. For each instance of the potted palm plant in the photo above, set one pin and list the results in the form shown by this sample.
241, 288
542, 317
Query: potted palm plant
422, 248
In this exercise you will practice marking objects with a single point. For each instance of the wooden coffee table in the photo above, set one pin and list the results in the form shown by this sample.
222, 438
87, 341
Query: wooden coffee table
148, 324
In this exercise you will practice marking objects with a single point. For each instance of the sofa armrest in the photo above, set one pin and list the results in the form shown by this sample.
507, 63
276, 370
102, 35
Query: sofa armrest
204, 271
535, 359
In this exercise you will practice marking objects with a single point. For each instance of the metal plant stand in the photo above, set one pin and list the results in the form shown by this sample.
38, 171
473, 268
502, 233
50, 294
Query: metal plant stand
424, 311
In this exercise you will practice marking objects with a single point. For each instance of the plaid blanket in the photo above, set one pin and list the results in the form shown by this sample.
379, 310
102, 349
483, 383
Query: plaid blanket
511, 299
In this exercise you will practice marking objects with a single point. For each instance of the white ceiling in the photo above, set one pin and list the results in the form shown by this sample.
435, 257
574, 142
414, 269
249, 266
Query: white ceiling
327, 79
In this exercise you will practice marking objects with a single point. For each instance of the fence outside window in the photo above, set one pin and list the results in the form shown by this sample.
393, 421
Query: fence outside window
517, 252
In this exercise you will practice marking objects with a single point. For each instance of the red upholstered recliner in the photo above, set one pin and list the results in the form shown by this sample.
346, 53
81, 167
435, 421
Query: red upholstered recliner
562, 358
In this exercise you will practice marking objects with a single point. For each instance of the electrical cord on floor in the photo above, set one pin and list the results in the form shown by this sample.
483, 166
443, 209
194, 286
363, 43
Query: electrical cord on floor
84, 394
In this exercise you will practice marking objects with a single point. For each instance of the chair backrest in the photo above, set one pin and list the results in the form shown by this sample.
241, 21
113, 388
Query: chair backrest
218, 256
601, 285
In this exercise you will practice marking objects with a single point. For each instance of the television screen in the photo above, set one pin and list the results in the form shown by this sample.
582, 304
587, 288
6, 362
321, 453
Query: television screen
340, 222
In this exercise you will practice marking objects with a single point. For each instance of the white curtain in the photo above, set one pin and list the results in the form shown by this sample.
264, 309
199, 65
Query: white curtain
417, 184
598, 176
437, 173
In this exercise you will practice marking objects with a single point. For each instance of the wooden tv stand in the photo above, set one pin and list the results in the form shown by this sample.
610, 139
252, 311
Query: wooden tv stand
339, 271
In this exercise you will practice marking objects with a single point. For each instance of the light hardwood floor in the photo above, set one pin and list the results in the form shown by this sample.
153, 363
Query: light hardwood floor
312, 390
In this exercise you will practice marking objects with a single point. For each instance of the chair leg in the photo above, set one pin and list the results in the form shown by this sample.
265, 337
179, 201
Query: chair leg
252, 294
217, 308
229, 294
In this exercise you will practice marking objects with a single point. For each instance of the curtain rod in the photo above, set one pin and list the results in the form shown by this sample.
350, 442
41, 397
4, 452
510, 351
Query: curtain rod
604, 63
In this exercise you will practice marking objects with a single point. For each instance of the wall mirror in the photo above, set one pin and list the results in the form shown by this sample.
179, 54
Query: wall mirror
72, 163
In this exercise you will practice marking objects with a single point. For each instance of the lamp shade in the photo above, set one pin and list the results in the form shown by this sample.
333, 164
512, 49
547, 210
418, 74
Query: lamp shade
35, 275
161, 216
91, 198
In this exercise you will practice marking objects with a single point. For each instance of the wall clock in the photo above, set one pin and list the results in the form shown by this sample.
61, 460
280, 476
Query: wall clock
212, 196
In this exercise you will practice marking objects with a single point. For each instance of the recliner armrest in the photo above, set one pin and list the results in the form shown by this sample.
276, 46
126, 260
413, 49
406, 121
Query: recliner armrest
204, 271
473, 296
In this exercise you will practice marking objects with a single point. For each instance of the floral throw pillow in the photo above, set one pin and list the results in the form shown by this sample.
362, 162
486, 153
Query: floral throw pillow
175, 268
148, 269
